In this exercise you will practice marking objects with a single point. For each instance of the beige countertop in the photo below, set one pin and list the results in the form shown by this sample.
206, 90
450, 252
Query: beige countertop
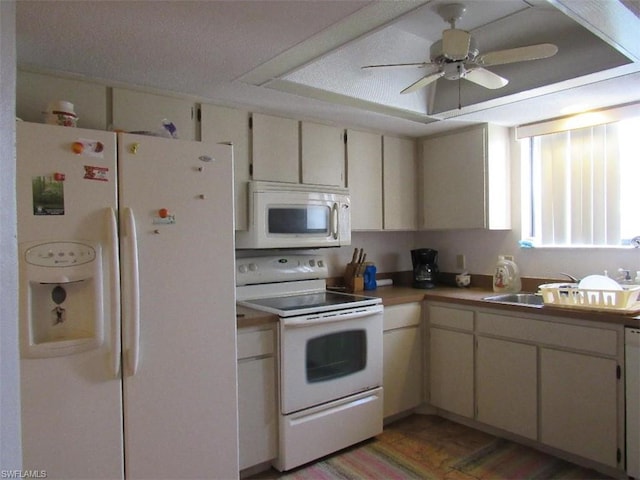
394, 295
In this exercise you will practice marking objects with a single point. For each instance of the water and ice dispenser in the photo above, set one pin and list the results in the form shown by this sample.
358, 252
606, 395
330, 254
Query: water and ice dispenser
62, 298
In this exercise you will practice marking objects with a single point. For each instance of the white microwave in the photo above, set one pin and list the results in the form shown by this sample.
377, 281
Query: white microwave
289, 215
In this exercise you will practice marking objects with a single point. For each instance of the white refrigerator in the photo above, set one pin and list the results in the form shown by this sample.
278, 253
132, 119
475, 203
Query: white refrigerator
127, 305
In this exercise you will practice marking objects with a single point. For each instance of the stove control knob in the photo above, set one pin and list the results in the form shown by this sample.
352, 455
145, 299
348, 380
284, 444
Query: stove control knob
243, 269
312, 263
253, 267
321, 263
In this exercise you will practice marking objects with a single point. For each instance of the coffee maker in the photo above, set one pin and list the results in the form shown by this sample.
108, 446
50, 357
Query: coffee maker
425, 267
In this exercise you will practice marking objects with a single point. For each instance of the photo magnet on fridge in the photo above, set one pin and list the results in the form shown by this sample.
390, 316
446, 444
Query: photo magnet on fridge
48, 195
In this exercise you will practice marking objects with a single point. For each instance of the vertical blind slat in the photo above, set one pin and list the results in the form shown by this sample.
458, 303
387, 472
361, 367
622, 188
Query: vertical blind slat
614, 202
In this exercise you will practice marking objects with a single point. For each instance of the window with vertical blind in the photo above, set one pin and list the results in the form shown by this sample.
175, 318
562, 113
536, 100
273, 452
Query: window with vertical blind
581, 186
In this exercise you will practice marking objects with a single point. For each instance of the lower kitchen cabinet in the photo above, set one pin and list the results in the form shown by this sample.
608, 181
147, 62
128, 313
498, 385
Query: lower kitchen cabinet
403, 373
451, 364
578, 404
547, 378
506, 385
451, 371
257, 396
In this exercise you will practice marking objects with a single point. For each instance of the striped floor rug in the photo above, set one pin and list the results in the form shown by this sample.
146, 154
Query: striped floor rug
431, 448
374, 460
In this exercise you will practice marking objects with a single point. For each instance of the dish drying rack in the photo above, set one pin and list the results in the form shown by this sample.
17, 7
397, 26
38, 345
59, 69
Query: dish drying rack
568, 295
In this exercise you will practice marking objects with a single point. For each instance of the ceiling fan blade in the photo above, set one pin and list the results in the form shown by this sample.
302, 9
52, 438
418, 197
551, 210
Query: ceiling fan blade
423, 82
455, 44
520, 54
396, 65
485, 78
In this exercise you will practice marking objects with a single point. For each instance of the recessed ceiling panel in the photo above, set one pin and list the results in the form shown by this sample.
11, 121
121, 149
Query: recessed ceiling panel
493, 25
340, 71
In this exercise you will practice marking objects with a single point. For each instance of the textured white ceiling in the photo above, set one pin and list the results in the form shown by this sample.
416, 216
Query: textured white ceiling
245, 53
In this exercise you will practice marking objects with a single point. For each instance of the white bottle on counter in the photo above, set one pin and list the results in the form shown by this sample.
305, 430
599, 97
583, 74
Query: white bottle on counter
506, 277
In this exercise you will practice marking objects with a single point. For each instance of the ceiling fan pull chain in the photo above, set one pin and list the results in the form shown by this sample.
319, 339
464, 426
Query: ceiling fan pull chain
459, 89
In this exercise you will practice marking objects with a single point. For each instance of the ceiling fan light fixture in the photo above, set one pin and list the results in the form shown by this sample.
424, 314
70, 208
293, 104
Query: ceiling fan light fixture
455, 44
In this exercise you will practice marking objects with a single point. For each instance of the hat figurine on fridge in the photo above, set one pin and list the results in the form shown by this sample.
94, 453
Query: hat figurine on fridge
60, 112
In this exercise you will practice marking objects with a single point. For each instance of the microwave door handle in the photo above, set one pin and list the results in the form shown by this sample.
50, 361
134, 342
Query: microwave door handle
334, 221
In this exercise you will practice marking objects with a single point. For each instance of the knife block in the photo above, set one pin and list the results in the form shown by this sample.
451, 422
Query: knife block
352, 281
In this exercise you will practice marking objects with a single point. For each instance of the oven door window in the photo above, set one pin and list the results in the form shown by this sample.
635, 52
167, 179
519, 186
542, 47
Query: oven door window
299, 220
336, 355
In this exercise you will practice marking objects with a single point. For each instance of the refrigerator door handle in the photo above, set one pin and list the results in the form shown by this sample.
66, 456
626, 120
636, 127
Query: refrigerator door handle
114, 294
132, 316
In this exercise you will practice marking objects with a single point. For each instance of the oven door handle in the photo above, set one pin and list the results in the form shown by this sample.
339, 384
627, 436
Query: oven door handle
332, 317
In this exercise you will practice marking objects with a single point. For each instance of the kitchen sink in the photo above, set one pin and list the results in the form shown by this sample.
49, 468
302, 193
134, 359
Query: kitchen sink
528, 299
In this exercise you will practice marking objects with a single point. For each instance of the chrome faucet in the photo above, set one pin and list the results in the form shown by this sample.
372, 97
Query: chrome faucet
570, 277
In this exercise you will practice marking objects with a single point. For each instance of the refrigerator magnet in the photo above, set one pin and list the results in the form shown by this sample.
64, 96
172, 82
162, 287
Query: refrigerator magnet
84, 146
48, 195
96, 173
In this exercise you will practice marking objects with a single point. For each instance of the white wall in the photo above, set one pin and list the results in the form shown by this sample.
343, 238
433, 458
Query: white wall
389, 251
10, 446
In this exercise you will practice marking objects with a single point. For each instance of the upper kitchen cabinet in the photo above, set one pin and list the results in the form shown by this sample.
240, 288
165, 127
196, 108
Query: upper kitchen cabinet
135, 111
322, 154
222, 124
364, 179
275, 149
34, 92
399, 184
465, 180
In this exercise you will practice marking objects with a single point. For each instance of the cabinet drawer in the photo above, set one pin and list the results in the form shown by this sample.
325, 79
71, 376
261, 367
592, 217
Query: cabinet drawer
590, 339
255, 343
404, 315
451, 317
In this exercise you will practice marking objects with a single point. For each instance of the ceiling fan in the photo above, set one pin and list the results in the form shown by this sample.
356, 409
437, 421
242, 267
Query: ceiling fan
456, 56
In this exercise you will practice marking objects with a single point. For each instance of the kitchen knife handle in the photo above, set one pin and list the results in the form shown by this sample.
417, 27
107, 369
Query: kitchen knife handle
132, 319
114, 286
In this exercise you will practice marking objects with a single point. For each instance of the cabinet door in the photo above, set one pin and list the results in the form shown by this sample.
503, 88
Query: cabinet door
506, 383
578, 408
34, 91
453, 180
465, 180
275, 149
364, 179
322, 154
222, 124
451, 371
402, 370
399, 184
257, 415
135, 111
